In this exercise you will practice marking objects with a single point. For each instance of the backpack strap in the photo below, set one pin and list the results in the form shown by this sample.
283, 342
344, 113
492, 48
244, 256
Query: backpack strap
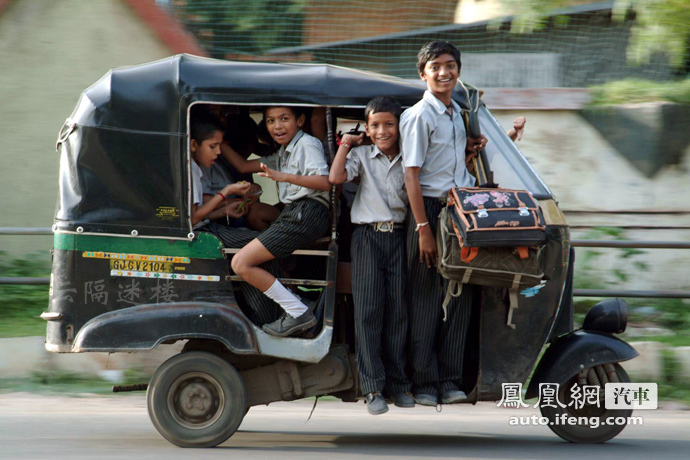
454, 290
513, 296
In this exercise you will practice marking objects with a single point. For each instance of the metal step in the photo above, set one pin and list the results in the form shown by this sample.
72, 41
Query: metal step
289, 281
299, 252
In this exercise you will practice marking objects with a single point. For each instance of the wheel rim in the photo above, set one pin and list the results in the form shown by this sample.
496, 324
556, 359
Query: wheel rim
196, 400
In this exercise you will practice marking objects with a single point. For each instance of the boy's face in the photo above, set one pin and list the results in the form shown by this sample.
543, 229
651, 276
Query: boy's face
441, 74
382, 129
282, 124
205, 154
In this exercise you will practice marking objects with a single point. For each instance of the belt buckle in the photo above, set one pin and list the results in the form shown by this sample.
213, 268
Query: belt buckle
384, 226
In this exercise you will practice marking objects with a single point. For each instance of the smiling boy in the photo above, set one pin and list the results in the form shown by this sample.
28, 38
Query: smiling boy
378, 254
300, 169
435, 151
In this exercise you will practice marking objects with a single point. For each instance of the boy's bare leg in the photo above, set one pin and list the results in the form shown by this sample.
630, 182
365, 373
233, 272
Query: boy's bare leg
261, 215
246, 261
298, 318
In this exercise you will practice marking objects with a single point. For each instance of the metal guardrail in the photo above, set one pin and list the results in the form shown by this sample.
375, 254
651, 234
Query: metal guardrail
620, 244
629, 244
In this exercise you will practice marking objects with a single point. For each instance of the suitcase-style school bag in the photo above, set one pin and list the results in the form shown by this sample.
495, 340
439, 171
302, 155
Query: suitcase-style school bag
501, 261
497, 217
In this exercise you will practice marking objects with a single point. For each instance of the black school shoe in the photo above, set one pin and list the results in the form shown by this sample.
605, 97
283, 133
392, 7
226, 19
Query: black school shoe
286, 325
426, 399
403, 400
453, 396
376, 405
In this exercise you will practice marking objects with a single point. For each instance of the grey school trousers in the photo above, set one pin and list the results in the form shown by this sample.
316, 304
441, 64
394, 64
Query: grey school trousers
378, 290
263, 309
436, 346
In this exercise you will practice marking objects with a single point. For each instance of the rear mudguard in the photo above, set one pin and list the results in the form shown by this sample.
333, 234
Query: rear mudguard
145, 326
578, 350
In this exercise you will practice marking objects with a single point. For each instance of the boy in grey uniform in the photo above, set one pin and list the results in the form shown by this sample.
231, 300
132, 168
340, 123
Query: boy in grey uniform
435, 151
378, 254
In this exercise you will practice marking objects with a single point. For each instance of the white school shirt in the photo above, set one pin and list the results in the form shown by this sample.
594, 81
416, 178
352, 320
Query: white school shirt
381, 196
435, 143
304, 156
197, 189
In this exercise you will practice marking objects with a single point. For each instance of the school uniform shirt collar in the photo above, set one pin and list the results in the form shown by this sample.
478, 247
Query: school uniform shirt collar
291, 145
375, 151
436, 103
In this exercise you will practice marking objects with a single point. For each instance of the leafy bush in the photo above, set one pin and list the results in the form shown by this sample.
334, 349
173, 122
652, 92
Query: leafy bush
631, 91
21, 305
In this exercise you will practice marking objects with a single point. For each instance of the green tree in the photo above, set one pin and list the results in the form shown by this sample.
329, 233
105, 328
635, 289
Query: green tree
660, 26
241, 26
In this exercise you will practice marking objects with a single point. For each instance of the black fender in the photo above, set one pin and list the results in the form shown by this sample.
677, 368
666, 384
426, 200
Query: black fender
143, 327
573, 352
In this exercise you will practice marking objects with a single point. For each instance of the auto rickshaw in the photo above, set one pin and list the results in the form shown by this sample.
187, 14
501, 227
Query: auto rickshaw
130, 273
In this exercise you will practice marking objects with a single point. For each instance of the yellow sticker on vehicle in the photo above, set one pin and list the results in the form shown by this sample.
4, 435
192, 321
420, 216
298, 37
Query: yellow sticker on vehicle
141, 265
141, 257
164, 276
167, 213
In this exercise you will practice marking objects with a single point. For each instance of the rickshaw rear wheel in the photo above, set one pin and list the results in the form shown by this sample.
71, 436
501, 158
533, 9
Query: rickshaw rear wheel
588, 434
196, 399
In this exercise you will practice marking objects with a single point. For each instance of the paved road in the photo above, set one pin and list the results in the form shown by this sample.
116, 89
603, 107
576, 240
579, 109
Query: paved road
118, 427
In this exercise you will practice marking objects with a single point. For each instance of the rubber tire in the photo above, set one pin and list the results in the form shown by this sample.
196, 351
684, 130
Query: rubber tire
229, 385
583, 434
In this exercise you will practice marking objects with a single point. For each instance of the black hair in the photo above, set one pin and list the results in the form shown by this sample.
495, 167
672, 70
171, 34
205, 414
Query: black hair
203, 126
434, 49
383, 104
296, 110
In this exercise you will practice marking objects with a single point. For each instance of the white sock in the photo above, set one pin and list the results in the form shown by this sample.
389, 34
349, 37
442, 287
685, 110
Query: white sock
286, 299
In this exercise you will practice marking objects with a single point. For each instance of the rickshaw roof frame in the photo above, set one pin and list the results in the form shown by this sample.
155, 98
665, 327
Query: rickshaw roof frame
148, 101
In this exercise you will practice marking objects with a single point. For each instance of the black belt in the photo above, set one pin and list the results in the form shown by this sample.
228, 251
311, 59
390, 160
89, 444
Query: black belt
387, 226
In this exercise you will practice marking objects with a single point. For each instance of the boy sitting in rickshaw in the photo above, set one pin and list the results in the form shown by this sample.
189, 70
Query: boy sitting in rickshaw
239, 134
301, 171
206, 137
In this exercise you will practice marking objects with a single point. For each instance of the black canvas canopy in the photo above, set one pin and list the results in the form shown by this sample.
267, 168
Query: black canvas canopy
123, 151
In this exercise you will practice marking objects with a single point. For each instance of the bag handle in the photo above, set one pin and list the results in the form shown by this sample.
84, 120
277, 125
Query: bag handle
468, 254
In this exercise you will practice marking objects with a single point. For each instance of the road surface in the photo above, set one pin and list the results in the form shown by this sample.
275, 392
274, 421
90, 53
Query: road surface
118, 427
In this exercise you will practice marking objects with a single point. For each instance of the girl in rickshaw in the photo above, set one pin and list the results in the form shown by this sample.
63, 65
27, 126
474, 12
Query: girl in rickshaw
300, 169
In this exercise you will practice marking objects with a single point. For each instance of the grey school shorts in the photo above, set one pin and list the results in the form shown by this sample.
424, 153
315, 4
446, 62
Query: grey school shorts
299, 224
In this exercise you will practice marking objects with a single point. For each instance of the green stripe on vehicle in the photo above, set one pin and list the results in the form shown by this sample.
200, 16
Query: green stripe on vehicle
204, 246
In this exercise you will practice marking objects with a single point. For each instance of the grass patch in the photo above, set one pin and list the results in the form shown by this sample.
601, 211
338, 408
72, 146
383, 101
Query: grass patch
22, 305
632, 91
22, 327
66, 384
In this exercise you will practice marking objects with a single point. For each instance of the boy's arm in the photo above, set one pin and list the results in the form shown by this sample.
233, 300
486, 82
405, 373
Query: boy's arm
241, 164
427, 242
414, 142
338, 173
201, 211
312, 182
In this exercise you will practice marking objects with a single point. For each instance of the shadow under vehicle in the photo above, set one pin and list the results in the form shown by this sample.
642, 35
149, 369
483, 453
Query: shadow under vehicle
130, 273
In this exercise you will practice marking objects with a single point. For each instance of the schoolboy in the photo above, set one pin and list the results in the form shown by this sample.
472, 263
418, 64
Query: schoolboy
435, 150
206, 137
300, 169
378, 253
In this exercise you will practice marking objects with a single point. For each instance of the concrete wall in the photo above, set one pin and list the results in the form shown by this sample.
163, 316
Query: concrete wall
587, 174
50, 51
